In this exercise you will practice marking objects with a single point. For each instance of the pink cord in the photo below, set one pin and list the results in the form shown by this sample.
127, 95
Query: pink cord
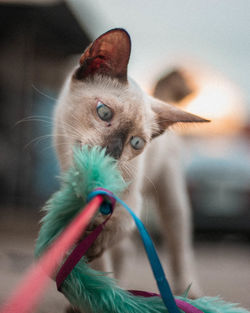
26, 296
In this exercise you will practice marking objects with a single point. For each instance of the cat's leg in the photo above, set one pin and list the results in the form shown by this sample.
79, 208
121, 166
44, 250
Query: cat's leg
102, 263
119, 253
117, 228
118, 259
120, 224
174, 211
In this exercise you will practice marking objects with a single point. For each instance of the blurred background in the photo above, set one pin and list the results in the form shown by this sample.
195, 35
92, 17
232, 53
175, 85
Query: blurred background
193, 54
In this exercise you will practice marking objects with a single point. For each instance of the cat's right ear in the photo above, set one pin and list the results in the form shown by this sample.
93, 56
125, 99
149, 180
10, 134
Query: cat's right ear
108, 55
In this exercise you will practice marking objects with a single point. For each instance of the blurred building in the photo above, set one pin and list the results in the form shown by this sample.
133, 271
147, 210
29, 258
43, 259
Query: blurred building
37, 44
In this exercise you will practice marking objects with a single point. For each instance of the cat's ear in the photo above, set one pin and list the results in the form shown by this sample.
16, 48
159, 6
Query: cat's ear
108, 55
168, 114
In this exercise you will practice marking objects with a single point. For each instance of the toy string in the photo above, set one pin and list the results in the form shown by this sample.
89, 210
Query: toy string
78, 252
162, 283
39, 275
37, 278
85, 244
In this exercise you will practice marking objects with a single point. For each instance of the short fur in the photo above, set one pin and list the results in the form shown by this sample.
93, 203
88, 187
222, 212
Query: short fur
102, 76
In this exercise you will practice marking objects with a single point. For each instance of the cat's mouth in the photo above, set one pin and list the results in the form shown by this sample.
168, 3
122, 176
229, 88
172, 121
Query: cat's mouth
115, 148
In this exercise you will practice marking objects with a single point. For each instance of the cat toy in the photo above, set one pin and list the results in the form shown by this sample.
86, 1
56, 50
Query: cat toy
93, 183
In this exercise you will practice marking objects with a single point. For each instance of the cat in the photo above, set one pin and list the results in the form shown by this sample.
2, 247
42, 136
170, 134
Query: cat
100, 105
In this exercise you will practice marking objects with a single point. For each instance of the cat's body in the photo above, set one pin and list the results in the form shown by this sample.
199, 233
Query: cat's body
99, 105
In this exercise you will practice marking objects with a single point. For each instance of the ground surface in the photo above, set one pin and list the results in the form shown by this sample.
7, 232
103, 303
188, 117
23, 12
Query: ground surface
223, 266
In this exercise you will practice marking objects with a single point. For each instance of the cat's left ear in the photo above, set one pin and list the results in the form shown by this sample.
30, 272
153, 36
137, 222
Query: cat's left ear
108, 55
168, 114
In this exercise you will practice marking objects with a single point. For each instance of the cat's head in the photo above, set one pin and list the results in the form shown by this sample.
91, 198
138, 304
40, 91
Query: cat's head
101, 106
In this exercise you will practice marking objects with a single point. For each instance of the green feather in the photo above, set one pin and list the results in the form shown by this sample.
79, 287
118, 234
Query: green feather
214, 305
89, 290
91, 169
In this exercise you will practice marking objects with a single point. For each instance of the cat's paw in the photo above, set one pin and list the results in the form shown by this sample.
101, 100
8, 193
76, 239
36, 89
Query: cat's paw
118, 227
103, 241
97, 248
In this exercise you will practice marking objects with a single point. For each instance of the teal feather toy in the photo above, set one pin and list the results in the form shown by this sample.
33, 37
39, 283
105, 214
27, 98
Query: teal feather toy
85, 288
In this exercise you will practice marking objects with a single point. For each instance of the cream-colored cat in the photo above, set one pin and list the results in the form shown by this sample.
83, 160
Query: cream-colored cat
100, 105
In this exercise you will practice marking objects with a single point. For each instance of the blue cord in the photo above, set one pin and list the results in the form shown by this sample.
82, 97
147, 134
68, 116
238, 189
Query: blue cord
162, 283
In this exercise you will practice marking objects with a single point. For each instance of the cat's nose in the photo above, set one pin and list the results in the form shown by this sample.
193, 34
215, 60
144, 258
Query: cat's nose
114, 148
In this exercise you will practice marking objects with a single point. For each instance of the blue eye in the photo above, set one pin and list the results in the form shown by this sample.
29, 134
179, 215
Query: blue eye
104, 112
137, 143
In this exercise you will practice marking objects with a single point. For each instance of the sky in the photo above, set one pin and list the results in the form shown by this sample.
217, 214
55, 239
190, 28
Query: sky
164, 33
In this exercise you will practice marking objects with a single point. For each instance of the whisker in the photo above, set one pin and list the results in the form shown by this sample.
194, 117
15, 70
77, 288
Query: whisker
42, 93
36, 140
41, 138
53, 146
35, 118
